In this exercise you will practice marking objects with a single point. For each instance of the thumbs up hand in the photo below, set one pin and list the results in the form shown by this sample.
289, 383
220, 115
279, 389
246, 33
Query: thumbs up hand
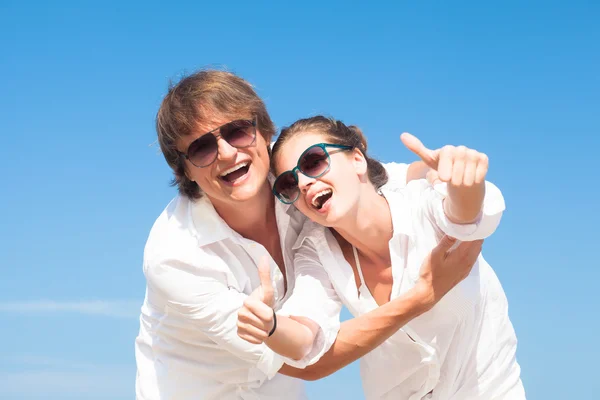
458, 166
256, 317
464, 171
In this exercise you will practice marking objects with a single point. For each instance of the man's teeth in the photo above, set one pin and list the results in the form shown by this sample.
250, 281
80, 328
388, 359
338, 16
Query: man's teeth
315, 199
234, 168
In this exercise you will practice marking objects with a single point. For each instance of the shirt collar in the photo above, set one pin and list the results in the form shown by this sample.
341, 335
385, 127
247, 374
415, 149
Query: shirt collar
206, 224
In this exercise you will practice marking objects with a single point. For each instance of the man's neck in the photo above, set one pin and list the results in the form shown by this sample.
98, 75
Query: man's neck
252, 218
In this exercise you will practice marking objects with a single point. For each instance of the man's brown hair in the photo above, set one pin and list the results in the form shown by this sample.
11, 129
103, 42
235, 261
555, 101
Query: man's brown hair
197, 98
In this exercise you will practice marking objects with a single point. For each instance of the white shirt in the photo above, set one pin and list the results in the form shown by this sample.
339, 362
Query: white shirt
463, 348
198, 272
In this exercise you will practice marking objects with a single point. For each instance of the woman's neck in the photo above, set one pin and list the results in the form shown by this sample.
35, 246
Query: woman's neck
369, 228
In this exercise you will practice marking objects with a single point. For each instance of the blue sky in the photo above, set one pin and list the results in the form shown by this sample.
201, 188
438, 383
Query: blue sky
83, 182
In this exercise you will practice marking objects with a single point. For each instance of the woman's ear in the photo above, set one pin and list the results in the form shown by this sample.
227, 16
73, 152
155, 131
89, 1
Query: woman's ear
360, 162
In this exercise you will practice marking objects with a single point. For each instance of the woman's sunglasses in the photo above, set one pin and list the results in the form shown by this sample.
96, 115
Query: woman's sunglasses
314, 162
203, 151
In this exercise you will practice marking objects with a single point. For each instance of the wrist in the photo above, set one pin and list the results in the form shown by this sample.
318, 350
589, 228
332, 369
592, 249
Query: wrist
274, 324
424, 296
463, 204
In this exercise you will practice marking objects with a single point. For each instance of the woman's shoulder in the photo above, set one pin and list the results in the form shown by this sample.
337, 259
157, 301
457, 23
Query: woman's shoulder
312, 233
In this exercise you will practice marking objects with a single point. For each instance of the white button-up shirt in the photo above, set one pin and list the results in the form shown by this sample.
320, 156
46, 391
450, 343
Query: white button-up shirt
463, 348
198, 272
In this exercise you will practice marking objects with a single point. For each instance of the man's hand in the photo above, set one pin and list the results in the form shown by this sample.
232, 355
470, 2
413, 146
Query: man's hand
255, 318
443, 269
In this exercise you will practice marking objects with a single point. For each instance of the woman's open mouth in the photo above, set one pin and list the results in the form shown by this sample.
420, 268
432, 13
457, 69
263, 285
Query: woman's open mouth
321, 198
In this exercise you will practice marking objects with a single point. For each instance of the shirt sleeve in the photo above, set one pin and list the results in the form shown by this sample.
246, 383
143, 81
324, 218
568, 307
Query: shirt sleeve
397, 175
313, 297
483, 227
201, 295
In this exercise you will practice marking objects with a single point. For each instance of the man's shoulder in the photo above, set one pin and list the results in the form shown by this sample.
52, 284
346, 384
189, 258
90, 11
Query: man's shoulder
170, 232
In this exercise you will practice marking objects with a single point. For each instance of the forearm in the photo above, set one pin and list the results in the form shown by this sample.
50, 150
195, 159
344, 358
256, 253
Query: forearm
293, 338
463, 205
416, 170
359, 336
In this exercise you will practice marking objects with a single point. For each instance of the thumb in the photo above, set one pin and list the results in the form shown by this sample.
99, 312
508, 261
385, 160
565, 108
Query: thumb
412, 143
443, 246
264, 273
433, 177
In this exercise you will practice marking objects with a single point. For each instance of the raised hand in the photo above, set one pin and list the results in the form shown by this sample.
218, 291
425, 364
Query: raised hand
255, 318
458, 166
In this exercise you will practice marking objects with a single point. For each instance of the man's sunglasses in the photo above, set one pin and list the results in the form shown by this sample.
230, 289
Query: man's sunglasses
314, 162
203, 151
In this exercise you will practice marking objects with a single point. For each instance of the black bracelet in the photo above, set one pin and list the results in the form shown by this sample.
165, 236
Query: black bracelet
274, 323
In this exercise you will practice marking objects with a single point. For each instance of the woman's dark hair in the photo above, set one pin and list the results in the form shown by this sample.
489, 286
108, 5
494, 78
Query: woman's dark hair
337, 133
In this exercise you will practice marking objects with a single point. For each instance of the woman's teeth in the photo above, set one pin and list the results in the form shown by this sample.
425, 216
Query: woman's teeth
320, 198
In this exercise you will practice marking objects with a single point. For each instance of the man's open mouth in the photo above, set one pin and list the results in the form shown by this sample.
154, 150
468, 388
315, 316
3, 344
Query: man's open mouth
236, 172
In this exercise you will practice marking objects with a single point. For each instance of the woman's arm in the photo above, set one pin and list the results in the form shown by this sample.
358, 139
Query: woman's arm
440, 272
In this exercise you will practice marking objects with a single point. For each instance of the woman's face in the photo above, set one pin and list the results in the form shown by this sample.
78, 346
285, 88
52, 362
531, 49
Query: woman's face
237, 174
330, 197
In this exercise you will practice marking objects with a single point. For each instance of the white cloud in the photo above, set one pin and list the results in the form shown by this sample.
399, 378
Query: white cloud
92, 382
107, 308
35, 377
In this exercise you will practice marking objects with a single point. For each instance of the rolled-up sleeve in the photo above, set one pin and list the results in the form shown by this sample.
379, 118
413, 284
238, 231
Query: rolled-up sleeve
315, 298
200, 294
484, 226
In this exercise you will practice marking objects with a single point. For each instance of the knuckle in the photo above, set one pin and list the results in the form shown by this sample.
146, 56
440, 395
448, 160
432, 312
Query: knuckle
472, 155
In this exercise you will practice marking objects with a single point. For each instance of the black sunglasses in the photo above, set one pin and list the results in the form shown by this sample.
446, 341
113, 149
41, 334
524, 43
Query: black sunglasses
203, 151
313, 162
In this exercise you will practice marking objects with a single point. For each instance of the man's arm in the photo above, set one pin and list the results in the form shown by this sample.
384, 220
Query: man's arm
201, 295
288, 336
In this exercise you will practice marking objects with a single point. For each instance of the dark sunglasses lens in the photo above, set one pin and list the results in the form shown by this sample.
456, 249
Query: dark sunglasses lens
314, 162
286, 187
203, 150
239, 133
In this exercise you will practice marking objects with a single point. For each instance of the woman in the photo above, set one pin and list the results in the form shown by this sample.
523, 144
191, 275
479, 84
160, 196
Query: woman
201, 257
365, 246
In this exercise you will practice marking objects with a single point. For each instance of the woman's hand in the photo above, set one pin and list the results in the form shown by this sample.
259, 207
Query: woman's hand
444, 268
